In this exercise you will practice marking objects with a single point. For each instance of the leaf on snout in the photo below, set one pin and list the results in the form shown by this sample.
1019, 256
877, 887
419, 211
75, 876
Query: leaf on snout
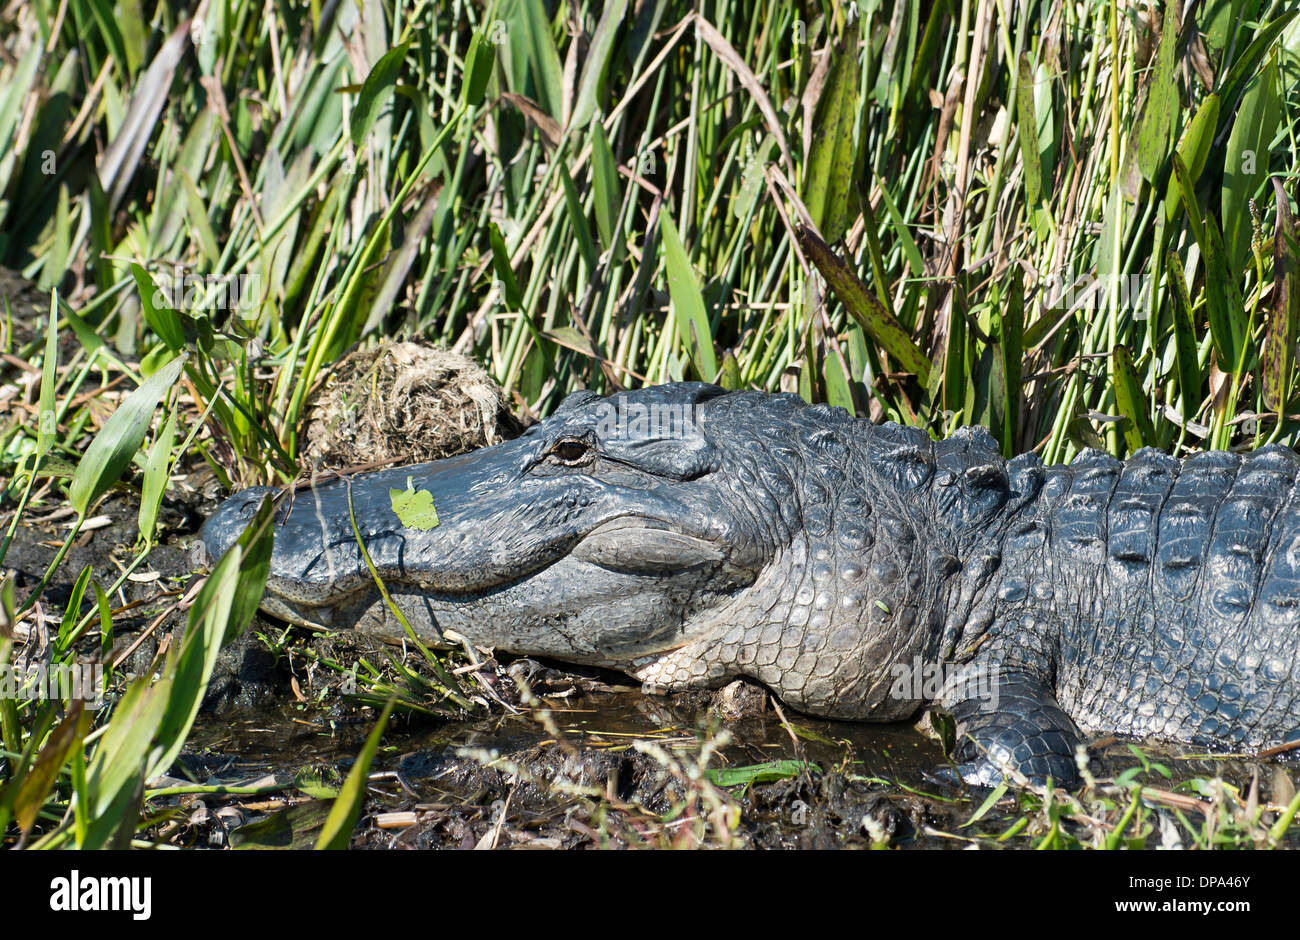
414, 507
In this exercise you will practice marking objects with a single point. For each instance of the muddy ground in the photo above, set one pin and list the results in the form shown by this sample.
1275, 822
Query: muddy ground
580, 759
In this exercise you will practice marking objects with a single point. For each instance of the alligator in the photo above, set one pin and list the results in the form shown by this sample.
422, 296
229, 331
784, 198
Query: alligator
688, 536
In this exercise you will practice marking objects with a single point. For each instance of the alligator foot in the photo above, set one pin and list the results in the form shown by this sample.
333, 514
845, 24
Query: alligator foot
1009, 726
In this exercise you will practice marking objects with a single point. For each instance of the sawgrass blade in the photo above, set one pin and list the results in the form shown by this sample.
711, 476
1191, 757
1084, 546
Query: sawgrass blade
110, 453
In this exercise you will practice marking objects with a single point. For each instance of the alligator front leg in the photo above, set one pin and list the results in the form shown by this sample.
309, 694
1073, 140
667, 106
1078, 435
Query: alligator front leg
1008, 720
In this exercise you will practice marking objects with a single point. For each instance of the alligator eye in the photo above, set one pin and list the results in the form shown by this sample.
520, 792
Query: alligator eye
571, 451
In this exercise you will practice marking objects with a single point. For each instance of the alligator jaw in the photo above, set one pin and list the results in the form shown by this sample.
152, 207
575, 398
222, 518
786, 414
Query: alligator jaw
627, 545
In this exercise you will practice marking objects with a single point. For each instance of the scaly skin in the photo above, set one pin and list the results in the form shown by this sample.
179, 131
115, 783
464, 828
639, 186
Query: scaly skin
752, 535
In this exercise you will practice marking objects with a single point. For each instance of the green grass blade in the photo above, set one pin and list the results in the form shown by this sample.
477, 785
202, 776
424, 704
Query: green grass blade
543, 58
1189, 368
505, 272
1223, 303
1243, 67
1194, 150
829, 177
223, 608
1162, 101
1131, 401
989, 802
1183, 180
1027, 131
759, 773
376, 92
1279, 344
687, 302
915, 263
479, 63
604, 181
864, 307
157, 465
1009, 327
337, 831
597, 62
33, 789
122, 753
161, 318
47, 420
578, 219
110, 453
838, 391
1246, 164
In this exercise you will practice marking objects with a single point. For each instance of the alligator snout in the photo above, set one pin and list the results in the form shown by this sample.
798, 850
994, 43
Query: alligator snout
229, 521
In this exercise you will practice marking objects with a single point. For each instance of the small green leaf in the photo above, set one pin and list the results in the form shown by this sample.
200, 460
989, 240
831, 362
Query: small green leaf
297, 827
945, 728
730, 378
1124, 781
838, 391
162, 319
504, 271
414, 507
759, 773
989, 802
479, 62
376, 91
72, 611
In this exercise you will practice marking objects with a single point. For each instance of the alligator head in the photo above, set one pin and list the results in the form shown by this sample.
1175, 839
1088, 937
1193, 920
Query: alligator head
680, 533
